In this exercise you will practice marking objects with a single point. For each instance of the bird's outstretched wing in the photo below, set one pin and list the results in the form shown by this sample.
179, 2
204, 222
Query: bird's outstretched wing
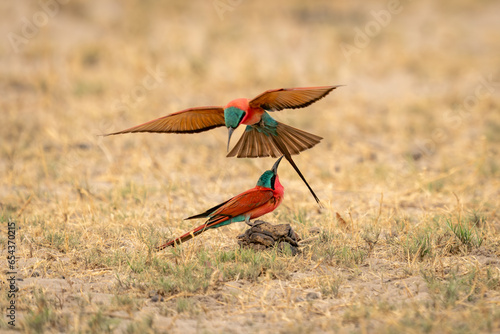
191, 120
290, 98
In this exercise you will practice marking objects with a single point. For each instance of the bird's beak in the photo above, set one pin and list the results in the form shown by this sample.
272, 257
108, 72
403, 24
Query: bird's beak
275, 166
230, 133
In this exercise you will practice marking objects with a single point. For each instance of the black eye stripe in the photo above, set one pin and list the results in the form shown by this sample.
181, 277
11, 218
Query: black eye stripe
273, 180
242, 116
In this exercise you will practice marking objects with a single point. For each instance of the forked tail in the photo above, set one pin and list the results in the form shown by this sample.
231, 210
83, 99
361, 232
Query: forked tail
255, 142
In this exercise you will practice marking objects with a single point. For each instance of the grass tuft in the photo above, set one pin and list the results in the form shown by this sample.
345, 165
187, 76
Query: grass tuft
466, 233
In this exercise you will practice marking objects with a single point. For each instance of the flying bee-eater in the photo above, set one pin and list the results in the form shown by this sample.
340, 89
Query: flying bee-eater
263, 136
253, 203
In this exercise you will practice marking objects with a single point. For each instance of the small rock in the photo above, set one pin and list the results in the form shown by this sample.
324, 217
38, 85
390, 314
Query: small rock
218, 296
313, 295
416, 155
83, 146
286, 248
315, 230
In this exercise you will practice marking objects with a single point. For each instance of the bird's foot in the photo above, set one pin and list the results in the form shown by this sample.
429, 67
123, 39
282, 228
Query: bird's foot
255, 223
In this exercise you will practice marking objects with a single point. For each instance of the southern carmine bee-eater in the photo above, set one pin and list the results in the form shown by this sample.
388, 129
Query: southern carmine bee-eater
253, 203
263, 136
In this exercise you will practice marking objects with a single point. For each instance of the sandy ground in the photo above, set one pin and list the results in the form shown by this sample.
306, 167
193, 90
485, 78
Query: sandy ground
410, 153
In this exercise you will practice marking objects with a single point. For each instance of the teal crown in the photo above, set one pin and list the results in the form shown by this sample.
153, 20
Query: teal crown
233, 116
267, 179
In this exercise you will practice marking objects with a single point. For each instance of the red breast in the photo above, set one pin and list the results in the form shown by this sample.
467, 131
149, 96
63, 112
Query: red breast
252, 115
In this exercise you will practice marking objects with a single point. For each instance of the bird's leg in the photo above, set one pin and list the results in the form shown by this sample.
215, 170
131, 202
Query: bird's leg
247, 221
257, 223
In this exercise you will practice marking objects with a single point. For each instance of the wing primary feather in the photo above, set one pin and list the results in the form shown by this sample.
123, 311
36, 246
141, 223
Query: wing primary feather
208, 212
290, 98
192, 120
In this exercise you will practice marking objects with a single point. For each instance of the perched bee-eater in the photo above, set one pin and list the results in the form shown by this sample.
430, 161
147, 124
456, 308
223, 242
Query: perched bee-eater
253, 203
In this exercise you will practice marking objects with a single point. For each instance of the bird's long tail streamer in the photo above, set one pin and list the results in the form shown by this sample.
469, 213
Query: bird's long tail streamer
185, 237
213, 222
282, 147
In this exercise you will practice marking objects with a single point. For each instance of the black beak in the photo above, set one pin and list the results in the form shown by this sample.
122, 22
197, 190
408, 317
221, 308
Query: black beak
275, 166
230, 132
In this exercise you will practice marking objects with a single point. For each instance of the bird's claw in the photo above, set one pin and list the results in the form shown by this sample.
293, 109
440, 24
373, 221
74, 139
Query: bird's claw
255, 223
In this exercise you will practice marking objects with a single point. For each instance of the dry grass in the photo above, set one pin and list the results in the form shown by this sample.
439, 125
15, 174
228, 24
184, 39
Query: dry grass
408, 239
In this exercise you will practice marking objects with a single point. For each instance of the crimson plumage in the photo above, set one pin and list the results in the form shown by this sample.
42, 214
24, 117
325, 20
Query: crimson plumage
265, 197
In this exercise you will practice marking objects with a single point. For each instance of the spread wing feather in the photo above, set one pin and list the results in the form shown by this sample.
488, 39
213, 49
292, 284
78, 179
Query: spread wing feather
191, 120
290, 98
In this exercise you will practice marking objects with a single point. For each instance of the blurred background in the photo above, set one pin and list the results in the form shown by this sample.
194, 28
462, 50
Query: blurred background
421, 88
418, 118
